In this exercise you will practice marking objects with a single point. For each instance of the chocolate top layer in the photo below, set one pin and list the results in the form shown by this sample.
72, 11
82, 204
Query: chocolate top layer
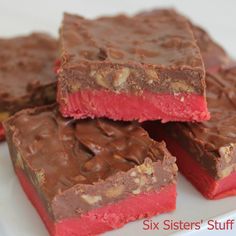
217, 137
26, 65
65, 152
151, 51
162, 38
221, 94
214, 56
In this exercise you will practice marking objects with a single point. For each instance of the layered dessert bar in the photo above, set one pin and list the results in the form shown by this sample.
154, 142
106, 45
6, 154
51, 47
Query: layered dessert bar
206, 152
145, 67
86, 177
214, 56
26, 73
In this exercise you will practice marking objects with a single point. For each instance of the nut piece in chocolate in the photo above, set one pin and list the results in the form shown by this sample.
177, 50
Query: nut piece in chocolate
206, 151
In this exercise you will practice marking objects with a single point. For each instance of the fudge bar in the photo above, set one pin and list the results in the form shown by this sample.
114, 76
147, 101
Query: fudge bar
87, 176
145, 67
206, 152
214, 56
26, 73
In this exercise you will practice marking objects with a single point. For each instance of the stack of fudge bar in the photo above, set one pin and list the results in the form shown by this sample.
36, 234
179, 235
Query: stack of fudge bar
87, 163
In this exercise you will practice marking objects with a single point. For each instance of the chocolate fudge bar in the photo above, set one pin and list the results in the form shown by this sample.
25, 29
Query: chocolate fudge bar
145, 67
26, 73
206, 152
85, 176
214, 56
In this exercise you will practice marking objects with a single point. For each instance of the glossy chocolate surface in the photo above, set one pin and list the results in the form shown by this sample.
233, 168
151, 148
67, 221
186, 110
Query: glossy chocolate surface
84, 164
153, 51
26, 71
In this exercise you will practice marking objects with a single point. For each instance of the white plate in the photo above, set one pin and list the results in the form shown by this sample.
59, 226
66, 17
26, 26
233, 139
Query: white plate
18, 217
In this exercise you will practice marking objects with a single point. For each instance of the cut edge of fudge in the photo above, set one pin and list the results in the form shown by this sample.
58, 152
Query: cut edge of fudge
96, 103
209, 161
140, 78
101, 220
151, 180
210, 187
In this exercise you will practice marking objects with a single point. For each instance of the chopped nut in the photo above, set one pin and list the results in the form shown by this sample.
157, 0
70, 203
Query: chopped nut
79, 191
40, 177
136, 191
114, 191
4, 115
49, 208
118, 157
182, 99
113, 53
19, 161
225, 172
175, 167
154, 179
225, 152
150, 81
101, 81
137, 180
79, 178
133, 174
75, 87
181, 86
91, 199
146, 168
152, 74
92, 73
78, 211
121, 77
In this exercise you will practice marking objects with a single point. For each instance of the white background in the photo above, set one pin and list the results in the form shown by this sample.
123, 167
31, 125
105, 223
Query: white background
17, 217
23, 16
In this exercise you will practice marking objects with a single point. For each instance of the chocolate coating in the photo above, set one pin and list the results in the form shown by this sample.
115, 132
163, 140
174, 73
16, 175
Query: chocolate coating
151, 51
78, 165
26, 71
213, 143
121, 39
214, 56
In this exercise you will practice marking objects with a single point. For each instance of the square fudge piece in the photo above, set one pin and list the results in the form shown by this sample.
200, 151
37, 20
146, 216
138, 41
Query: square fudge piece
206, 152
85, 176
26, 73
145, 67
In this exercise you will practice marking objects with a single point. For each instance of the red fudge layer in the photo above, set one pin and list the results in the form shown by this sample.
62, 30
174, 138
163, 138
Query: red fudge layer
122, 106
106, 218
2, 134
210, 187
197, 174
199, 177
